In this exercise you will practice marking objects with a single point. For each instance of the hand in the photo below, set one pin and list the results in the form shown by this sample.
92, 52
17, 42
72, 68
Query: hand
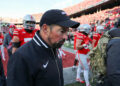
73, 68
85, 46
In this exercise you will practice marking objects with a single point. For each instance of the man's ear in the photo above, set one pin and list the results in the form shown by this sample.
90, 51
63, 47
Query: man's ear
45, 28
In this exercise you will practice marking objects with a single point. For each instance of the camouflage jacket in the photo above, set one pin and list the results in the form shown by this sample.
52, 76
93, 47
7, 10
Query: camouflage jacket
98, 57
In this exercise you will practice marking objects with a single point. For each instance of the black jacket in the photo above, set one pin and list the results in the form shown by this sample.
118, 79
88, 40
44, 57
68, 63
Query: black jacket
35, 64
2, 76
113, 53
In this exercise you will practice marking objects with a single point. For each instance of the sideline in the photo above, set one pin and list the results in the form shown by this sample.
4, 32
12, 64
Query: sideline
68, 74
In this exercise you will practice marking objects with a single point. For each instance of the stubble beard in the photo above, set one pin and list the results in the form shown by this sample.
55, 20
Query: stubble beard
56, 45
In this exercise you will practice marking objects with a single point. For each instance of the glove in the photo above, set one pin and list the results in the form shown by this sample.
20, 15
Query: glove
85, 46
90, 46
73, 68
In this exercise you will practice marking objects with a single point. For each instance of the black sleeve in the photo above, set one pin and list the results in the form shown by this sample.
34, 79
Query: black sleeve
108, 46
2, 76
18, 71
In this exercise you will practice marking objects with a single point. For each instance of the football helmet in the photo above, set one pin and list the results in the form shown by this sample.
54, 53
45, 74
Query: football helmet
100, 29
84, 28
29, 22
11, 28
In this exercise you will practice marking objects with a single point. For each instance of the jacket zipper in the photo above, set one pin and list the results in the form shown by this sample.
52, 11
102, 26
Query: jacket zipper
57, 68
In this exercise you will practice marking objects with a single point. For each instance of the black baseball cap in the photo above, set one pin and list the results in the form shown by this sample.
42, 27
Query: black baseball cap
58, 17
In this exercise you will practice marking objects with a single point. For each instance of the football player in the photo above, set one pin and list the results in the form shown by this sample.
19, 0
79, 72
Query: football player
22, 36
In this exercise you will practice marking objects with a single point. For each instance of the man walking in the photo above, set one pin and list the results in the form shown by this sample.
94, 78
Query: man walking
36, 63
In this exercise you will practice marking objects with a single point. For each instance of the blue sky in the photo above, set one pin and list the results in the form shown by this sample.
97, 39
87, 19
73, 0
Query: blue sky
19, 8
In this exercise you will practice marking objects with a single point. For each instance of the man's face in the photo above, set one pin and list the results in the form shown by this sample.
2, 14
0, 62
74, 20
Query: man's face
30, 25
57, 35
12, 29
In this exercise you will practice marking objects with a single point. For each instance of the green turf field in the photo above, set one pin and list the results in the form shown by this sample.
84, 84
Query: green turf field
68, 45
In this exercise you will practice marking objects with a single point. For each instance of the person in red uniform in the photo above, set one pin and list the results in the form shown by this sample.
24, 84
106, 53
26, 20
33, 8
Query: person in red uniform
1, 45
97, 35
22, 36
82, 45
8, 39
76, 51
1, 38
76, 54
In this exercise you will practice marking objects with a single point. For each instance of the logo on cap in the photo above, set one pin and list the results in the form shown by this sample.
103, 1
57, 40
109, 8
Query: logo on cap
63, 13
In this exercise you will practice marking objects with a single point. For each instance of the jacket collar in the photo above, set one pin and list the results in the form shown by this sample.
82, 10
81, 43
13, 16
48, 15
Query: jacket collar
39, 41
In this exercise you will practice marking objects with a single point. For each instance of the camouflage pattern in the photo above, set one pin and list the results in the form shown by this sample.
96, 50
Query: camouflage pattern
97, 59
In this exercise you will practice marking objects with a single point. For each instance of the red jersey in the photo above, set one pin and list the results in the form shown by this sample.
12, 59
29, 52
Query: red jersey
75, 36
96, 36
23, 35
95, 28
85, 40
1, 39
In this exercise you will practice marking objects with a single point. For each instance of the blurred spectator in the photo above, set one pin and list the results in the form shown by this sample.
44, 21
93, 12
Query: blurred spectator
1, 45
8, 39
70, 36
97, 35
